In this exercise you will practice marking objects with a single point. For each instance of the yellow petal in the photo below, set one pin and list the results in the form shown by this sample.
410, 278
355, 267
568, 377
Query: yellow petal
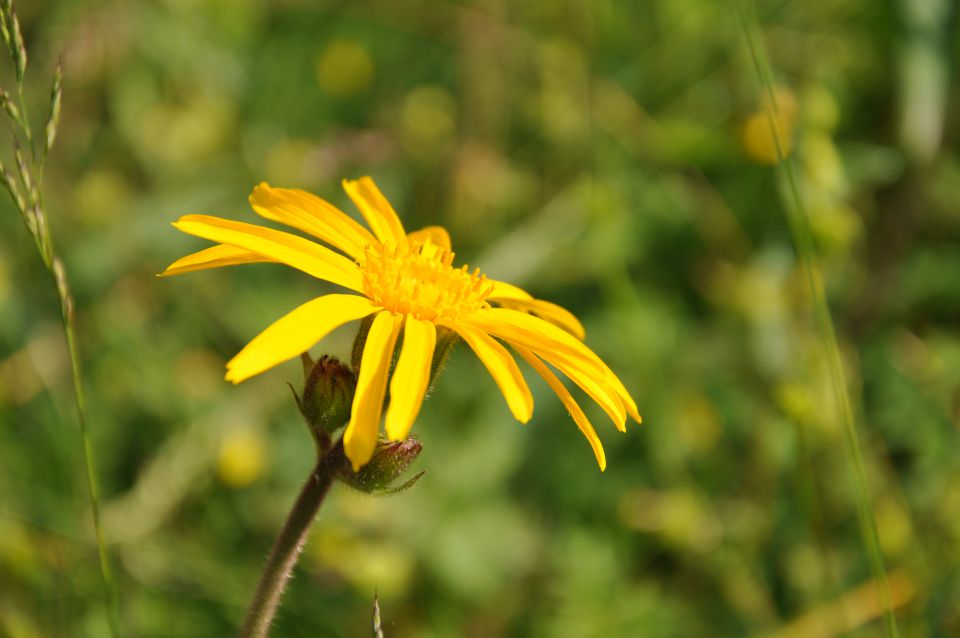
502, 368
307, 212
360, 438
569, 402
214, 257
557, 315
536, 334
561, 349
411, 377
436, 235
300, 253
510, 296
295, 332
503, 290
607, 390
596, 387
375, 208
543, 337
628, 403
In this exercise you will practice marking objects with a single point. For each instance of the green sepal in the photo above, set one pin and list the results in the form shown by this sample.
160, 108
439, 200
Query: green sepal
446, 340
356, 356
389, 461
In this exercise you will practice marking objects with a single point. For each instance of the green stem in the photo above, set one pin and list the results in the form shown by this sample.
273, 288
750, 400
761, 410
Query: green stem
66, 306
806, 252
31, 208
286, 549
25, 124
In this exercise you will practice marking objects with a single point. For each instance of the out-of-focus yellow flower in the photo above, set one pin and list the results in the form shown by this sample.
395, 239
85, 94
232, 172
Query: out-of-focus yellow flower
757, 136
344, 68
241, 458
405, 282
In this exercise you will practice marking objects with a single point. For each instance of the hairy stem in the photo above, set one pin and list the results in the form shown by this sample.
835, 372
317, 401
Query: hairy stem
286, 549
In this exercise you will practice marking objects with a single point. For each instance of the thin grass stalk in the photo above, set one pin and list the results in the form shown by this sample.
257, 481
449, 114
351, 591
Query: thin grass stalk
800, 229
69, 330
30, 205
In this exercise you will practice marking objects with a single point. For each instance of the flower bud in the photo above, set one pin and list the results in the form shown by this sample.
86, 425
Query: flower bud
390, 460
327, 395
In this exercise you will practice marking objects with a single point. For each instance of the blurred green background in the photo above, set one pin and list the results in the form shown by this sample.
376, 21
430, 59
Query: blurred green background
607, 155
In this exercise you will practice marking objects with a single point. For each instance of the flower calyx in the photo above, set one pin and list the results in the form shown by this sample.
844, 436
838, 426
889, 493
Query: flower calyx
390, 460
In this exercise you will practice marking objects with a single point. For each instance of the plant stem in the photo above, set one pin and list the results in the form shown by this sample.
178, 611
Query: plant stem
105, 572
30, 205
286, 549
799, 223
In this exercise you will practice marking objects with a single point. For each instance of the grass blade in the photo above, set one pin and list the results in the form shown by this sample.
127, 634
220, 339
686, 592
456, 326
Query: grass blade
807, 256
29, 202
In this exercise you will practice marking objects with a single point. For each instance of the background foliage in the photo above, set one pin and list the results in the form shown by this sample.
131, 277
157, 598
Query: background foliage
608, 155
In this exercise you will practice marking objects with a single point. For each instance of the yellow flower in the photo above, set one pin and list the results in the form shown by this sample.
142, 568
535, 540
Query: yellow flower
409, 283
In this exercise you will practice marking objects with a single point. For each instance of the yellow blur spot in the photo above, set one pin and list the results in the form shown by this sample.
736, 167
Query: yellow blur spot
18, 552
427, 121
241, 458
897, 530
286, 162
189, 133
366, 564
344, 68
796, 401
678, 516
822, 163
101, 196
16, 624
760, 140
698, 423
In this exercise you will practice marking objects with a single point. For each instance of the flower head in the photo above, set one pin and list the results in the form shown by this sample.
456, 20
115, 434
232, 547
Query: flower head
407, 282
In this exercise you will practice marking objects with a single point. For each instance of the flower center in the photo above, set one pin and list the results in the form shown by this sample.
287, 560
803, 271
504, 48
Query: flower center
420, 281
